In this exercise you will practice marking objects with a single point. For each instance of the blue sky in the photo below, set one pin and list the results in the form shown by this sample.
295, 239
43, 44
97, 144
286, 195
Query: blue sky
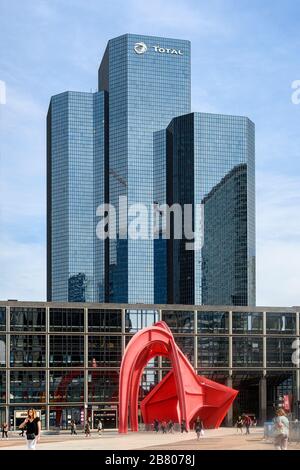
245, 56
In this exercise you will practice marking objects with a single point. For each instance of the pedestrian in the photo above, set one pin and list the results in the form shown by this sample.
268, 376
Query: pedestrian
73, 428
171, 426
183, 426
281, 427
22, 431
164, 427
33, 429
87, 429
99, 427
156, 425
239, 424
199, 427
247, 423
254, 422
4, 429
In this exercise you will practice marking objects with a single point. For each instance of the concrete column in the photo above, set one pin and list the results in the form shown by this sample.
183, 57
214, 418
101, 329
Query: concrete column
230, 341
195, 340
265, 341
263, 400
47, 383
297, 324
123, 330
229, 417
7, 365
296, 406
86, 364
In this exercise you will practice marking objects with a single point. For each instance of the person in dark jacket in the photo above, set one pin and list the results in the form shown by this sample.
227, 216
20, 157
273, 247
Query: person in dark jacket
183, 426
199, 427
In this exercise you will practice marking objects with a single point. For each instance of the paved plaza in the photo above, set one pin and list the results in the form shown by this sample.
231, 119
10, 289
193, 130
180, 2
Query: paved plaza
214, 439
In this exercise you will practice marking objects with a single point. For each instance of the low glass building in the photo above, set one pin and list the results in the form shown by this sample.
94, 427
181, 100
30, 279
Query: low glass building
63, 358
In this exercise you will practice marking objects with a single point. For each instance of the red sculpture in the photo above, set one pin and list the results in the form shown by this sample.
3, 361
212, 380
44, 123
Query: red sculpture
181, 395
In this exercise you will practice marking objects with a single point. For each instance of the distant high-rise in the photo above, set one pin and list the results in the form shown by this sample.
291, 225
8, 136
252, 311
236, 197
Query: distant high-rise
136, 139
75, 187
210, 163
148, 81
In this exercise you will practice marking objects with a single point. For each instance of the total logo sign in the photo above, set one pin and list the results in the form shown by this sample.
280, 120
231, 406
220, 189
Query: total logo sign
141, 48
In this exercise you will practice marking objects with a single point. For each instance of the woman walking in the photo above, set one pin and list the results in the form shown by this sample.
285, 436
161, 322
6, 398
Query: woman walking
33, 429
281, 430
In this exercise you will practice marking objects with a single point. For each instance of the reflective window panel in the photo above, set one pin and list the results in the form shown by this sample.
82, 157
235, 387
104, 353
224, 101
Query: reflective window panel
2, 351
180, 321
245, 322
212, 322
66, 351
279, 352
66, 386
247, 352
27, 386
284, 323
101, 320
28, 350
135, 320
105, 351
2, 318
27, 319
66, 319
186, 344
2, 386
103, 386
213, 351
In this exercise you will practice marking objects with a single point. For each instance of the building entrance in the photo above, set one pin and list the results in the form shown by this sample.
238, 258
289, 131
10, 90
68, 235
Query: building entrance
107, 416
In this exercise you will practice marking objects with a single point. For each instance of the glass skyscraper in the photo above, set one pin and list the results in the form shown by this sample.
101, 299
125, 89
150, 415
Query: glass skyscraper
100, 147
136, 139
148, 83
210, 163
75, 187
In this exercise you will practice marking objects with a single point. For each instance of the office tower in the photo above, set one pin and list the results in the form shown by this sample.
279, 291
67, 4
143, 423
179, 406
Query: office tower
210, 164
75, 188
148, 83
135, 144
106, 151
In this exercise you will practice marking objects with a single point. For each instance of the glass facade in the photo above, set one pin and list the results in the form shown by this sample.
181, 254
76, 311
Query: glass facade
73, 369
146, 90
75, 188
160, 197
210, 165
28, 319
136, 138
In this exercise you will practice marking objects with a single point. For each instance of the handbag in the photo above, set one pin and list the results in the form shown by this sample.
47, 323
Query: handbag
30, 436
